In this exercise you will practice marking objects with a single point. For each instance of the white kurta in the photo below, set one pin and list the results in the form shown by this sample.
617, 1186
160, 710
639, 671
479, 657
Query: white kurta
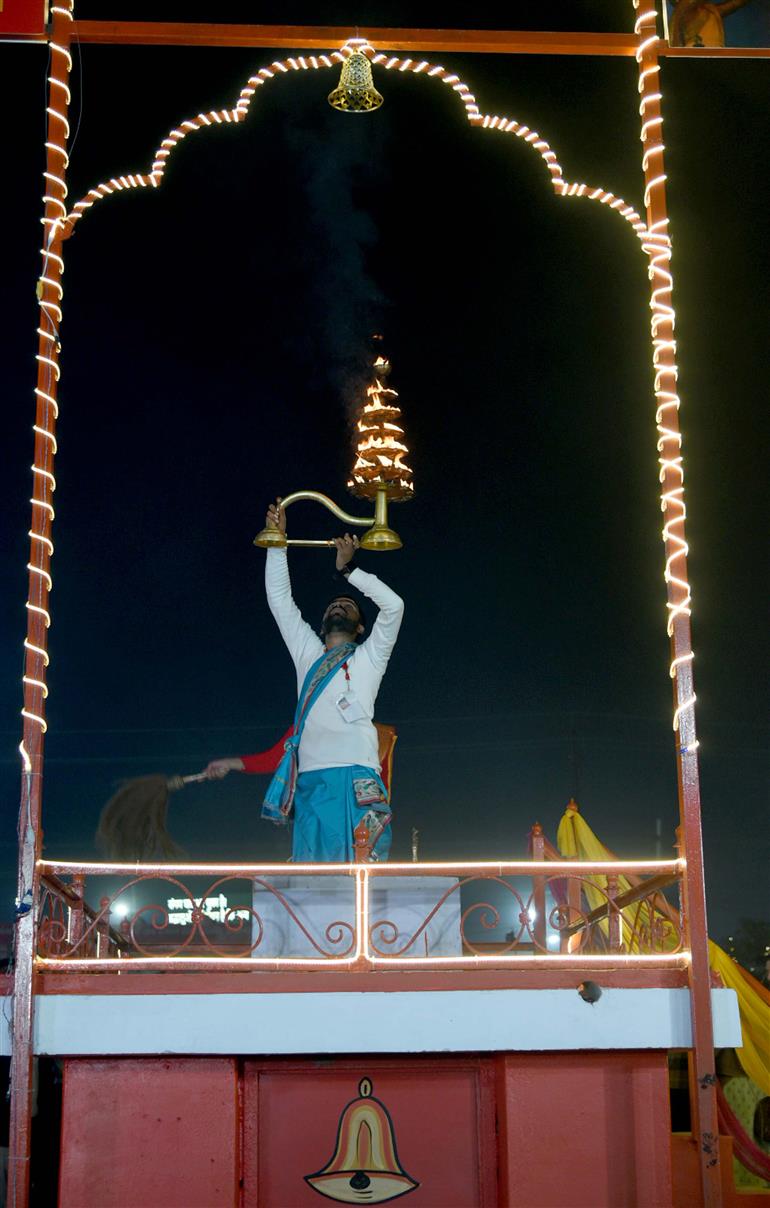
328, 741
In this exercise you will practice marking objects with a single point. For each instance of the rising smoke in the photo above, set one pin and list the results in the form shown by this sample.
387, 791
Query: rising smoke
341, 159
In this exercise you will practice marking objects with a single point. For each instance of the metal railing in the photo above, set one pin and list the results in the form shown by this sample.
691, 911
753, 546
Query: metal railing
358, 916
66, 922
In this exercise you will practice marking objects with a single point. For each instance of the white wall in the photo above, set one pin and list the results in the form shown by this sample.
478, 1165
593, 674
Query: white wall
374, 1022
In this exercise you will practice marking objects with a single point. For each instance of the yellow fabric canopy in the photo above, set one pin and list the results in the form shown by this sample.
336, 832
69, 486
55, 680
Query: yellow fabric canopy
754, 1007
643, 926
576, 841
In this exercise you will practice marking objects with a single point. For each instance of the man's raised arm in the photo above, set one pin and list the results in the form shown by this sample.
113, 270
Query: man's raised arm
382, 639
303, 645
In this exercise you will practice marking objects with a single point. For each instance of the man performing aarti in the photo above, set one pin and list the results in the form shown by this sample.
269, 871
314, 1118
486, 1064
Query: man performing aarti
329, 778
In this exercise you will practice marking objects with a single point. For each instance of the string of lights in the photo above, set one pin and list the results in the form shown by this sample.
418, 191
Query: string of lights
555, 960
49, 295
657, 245
220, 117
491, 867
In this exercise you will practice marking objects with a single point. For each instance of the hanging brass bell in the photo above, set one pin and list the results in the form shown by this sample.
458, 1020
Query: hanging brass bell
364, 1167
355, 92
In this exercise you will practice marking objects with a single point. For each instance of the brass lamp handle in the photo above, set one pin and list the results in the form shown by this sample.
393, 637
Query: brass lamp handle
327, 503
378, 536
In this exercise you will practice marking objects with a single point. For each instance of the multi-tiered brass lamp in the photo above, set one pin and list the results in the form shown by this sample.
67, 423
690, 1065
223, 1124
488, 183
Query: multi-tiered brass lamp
379, 470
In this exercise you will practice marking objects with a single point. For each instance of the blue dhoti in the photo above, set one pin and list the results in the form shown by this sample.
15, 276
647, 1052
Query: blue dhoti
326, 813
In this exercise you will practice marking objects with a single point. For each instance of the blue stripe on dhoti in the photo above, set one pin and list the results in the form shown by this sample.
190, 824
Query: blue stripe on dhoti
326, 814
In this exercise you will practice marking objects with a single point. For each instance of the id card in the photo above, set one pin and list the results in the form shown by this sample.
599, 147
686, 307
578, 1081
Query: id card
350, 707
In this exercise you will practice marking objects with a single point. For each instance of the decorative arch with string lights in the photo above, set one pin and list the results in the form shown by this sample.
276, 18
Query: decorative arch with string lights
60, 223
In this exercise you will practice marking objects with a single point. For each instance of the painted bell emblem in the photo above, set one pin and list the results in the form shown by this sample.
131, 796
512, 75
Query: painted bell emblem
364, 1167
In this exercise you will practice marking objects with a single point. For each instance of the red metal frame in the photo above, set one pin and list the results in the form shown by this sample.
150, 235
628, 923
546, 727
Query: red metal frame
645, 45
445, 41
545, 976
36, 660
704, 1107
325, 37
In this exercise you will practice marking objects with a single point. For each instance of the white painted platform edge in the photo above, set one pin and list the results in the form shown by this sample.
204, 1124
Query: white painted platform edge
374, 1021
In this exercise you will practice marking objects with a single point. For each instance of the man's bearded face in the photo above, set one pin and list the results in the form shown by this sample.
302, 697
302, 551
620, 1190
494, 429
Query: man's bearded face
342, 616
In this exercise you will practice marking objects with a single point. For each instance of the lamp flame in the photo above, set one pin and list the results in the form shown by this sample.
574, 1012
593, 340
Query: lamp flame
380, 448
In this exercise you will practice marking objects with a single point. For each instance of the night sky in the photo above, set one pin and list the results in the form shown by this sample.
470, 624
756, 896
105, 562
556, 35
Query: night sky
212, 340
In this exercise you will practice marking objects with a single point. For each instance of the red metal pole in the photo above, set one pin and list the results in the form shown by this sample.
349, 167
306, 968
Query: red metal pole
658, 247
38, 618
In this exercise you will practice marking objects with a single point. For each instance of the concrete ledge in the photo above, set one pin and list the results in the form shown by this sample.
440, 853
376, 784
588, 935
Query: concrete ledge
375, 1022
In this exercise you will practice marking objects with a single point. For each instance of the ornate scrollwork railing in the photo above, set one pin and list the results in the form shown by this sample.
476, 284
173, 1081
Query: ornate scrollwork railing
642, 928
358, 915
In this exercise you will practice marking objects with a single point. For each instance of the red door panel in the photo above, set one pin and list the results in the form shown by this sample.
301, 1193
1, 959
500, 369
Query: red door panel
584, 1130
422, 1131
149, 1131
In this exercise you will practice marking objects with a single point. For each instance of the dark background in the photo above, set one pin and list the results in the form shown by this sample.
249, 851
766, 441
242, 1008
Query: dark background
212, 339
